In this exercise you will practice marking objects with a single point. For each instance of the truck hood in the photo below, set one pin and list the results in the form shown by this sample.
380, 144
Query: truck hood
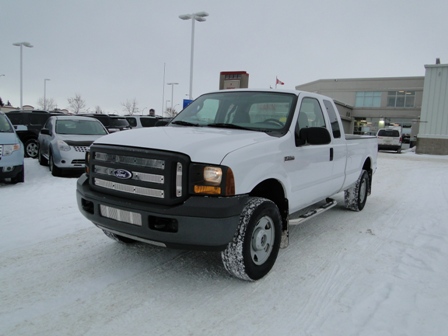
202, 144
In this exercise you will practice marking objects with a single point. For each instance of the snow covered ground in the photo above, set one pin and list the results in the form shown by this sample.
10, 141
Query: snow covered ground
382, 271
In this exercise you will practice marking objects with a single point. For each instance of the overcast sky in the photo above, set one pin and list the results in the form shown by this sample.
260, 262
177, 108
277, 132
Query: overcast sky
111, 51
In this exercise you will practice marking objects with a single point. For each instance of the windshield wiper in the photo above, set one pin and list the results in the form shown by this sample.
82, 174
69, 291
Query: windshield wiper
184, 123
233, 126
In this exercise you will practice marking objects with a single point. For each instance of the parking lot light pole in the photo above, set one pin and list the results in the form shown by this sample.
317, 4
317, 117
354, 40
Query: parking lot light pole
45, 93
21, 45
200, 17
172, 91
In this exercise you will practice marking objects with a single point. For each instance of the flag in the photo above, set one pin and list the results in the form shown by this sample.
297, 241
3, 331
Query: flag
278, 81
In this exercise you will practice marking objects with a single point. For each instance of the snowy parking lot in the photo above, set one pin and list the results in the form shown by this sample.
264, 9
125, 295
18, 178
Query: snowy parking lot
382, 271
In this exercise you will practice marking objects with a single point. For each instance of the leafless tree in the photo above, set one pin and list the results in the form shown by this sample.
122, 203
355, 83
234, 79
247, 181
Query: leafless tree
76, 103
49, 104
170, 112
98, 110
130, 107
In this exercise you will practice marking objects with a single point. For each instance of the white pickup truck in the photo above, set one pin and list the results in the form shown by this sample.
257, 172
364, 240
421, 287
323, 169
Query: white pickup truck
230, 173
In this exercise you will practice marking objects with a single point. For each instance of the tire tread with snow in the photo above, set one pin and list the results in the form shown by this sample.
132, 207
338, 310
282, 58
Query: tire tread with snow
356, 197
255, 246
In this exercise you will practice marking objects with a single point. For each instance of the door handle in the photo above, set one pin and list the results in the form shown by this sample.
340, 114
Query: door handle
331, 154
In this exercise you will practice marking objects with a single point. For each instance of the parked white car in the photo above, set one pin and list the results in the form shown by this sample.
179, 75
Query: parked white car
64, 141
390, 138
139, 121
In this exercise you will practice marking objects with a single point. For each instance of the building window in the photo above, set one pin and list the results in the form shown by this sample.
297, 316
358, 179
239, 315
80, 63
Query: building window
401, 99
368, 99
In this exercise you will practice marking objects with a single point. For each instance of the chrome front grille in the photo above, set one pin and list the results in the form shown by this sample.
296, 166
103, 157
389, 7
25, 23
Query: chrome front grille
138, 176
130, 160
141, 174
130, 189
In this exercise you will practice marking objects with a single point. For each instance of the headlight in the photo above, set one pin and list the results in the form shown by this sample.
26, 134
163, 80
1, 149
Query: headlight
63, 146
9, 149
213, 175
211, 180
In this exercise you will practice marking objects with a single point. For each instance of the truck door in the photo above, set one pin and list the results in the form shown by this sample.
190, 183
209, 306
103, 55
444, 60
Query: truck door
338, 146
312, 167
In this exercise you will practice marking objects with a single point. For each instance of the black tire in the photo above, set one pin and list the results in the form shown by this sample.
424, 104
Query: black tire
32, 148
42, 161
254, 248
20, 177
119, 238
55, 171
356, 196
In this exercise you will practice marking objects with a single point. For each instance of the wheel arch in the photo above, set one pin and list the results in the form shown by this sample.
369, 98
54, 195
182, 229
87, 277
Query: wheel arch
273, 190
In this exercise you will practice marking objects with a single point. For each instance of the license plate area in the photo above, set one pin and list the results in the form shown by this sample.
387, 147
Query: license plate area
119, 215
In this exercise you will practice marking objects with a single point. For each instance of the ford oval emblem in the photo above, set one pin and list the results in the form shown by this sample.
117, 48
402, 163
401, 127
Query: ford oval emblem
122, 174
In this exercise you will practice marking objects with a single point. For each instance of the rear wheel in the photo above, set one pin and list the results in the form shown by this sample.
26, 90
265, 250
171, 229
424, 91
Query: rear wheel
119, 238
32, 148
356, 197
254, 248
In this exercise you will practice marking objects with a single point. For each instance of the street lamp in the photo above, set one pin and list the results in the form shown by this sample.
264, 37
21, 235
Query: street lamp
199, 16
172, 91
45, 93
21, 45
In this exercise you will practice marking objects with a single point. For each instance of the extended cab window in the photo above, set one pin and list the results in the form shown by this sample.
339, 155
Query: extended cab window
333, 119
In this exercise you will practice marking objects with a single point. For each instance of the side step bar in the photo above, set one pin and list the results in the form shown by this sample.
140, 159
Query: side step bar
313, 212
304, 215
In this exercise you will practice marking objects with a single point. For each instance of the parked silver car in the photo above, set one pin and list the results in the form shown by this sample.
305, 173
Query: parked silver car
64, 140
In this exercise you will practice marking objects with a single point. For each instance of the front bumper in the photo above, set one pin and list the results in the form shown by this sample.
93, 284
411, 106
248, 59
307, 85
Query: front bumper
71, 159
205, 223
10, 172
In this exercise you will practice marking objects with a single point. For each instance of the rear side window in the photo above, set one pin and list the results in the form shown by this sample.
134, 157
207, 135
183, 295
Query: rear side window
132, 121
333, 119
119, 122
389, 133
148, 122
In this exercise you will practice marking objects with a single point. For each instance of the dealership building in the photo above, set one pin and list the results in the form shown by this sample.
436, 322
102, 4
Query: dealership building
418, 104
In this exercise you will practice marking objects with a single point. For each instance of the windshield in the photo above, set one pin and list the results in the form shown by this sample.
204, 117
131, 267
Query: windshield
5, 126
269, 112
80, 127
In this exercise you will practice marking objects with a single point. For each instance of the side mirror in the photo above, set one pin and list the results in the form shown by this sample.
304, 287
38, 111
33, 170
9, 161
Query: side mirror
313, 136
45, 131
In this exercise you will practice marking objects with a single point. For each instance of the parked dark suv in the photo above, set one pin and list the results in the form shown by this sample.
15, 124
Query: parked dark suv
112, 122
33, 122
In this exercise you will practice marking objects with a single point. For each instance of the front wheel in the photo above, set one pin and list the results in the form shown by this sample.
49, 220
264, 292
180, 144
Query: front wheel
255, 245
42, 161
356, 196
55, 171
